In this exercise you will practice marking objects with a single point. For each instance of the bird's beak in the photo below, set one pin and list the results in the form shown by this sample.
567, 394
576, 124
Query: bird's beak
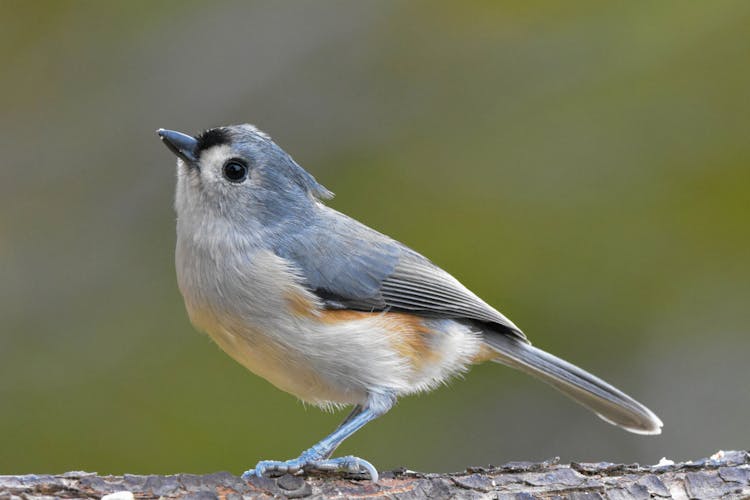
180, 144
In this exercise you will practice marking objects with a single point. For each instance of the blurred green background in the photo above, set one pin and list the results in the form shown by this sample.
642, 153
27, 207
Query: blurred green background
584, 167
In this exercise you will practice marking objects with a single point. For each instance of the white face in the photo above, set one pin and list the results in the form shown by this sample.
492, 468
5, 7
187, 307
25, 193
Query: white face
221, 185
242, 183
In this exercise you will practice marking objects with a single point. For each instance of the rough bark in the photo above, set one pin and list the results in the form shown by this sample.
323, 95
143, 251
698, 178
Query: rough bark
724, 475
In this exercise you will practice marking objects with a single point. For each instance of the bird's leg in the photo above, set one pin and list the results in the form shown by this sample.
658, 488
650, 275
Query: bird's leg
317, 458
355, 412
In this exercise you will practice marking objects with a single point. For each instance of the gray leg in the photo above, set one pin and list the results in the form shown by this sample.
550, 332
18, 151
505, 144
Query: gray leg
317, 457
354, 413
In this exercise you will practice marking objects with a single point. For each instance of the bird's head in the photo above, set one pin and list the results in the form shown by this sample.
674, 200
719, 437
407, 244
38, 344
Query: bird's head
237, 176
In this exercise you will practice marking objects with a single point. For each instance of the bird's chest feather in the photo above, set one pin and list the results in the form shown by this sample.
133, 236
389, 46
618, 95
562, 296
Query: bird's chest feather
254, 308
245, 291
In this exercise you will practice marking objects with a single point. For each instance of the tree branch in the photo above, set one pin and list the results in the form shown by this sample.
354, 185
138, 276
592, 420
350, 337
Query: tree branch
724, 475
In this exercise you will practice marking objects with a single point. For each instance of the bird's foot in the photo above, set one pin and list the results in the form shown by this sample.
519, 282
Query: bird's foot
308, 464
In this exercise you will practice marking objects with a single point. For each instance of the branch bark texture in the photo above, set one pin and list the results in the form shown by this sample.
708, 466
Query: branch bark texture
725, 475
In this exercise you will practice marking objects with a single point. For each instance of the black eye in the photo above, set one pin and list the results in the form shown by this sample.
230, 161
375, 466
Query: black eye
235, 171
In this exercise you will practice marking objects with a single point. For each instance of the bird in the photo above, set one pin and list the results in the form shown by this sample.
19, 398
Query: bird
330, 310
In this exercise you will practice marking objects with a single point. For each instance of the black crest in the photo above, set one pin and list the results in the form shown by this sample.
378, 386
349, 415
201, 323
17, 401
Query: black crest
210, 138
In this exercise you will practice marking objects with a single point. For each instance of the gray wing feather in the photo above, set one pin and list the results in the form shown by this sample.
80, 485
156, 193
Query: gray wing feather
351, 265
417, 284
342, 260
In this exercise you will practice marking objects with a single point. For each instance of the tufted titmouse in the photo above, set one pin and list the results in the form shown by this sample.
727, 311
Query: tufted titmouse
326, 308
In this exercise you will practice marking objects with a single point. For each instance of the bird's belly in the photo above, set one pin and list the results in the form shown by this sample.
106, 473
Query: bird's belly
259, 349
337, 357
253, 317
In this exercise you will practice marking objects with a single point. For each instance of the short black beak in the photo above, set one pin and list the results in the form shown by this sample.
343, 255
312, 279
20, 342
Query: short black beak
180, 144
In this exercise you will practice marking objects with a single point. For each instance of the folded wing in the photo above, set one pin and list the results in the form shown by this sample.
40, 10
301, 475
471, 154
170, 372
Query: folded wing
351, 266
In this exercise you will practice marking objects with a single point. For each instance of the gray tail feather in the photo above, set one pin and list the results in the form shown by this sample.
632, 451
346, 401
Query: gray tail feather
609, 403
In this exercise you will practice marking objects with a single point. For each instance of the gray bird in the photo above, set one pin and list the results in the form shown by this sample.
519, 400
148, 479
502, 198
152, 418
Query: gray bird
328, 309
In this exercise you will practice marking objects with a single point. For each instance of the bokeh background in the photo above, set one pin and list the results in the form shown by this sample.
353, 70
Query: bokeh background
584, 167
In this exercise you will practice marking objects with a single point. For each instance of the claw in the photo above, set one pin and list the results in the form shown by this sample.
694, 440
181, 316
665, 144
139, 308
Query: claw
351, 464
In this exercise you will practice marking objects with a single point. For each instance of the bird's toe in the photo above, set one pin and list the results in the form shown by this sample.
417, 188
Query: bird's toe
349, 464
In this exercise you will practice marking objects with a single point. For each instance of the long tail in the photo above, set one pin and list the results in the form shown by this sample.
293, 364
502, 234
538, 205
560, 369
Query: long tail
609, 403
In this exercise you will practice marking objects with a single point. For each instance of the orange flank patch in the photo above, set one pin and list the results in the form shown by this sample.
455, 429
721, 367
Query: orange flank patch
412, 337
337, 315
300, 304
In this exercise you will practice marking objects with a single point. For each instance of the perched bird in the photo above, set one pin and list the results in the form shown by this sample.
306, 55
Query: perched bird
328, 309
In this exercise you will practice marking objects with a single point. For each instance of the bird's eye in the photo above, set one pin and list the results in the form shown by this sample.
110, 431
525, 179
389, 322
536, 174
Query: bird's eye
235, 171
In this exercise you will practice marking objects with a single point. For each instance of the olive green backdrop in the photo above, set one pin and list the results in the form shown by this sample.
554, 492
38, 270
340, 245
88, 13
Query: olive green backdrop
583, 166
